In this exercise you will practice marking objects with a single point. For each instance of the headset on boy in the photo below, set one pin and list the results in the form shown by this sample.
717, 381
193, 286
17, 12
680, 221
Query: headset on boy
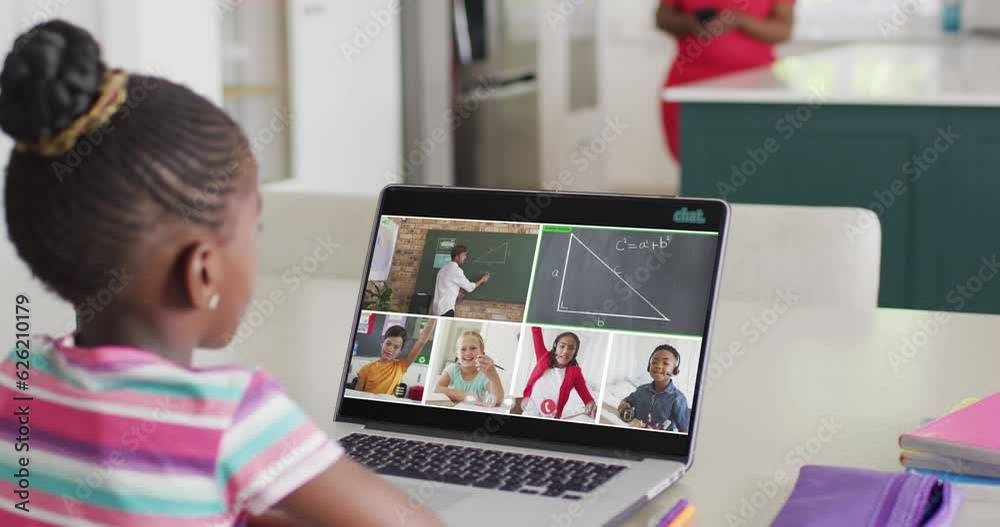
674, 352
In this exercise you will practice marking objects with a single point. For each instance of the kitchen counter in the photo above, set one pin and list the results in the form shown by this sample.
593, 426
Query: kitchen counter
958, 72
910, 131
868, 27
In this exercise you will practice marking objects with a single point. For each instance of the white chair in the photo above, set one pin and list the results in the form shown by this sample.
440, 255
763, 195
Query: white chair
297, 225
828, 256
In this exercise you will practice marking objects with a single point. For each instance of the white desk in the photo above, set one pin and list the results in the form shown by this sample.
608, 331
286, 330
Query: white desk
761, 414
762, 417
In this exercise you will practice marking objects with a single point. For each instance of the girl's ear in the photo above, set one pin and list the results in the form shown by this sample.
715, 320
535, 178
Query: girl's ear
202, 269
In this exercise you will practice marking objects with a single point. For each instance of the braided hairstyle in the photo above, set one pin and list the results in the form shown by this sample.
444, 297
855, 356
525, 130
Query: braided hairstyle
166, 155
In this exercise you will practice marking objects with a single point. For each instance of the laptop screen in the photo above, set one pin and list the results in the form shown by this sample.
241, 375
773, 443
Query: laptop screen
599, 326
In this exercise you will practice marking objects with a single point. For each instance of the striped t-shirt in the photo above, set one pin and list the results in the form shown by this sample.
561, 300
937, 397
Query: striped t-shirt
122, 436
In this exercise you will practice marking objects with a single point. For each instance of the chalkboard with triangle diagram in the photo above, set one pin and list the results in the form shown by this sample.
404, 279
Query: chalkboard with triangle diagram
507, 257
653, 281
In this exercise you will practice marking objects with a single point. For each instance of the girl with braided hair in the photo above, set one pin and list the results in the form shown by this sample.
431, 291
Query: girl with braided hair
119, 175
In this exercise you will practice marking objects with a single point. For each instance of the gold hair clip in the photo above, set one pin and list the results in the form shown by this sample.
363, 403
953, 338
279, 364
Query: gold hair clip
114, 92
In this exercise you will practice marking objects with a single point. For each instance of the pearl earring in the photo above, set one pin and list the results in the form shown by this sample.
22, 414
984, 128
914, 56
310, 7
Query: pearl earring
213, 301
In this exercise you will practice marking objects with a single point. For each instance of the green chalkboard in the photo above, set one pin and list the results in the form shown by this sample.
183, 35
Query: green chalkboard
507, 257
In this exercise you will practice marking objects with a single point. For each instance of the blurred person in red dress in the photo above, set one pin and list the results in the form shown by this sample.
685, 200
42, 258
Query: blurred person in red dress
716, 37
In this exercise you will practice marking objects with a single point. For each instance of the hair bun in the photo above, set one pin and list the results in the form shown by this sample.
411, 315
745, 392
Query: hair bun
52, 76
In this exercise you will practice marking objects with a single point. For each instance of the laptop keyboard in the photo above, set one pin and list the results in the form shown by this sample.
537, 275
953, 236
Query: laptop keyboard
477, 467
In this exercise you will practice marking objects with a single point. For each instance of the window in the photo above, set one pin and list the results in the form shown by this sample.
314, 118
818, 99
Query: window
255, 76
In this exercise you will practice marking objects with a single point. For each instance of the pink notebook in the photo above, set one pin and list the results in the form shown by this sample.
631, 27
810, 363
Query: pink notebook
971, 433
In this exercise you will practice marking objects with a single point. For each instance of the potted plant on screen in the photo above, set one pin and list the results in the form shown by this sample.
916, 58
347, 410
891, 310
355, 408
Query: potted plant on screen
377, 297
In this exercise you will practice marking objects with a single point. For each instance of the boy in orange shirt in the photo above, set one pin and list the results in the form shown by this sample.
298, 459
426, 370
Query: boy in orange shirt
383, 375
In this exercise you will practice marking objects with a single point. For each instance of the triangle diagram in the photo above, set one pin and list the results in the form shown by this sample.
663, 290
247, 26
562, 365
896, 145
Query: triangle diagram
496, 255
592, 287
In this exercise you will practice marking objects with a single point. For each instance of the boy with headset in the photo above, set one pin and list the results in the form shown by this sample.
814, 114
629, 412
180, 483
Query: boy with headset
660, 405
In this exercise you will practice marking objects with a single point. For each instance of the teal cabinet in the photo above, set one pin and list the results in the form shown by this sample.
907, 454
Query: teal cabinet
959, 219
935, 191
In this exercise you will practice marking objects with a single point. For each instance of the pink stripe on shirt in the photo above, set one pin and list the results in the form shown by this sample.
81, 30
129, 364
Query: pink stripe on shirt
278, 453
167, 403
142, 434
79, 509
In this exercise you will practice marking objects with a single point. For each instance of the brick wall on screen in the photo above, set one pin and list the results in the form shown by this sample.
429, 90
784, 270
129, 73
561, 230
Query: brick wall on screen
409, 251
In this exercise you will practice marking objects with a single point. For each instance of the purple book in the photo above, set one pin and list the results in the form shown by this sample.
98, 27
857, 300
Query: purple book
839, 496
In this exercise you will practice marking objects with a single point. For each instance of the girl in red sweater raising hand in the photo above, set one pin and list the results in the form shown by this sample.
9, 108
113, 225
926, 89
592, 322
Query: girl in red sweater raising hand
555, 374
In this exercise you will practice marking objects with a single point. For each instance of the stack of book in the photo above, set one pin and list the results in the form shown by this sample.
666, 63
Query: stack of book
963, 446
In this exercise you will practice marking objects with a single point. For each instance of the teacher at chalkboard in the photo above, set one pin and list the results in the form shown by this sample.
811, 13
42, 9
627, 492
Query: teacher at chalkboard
451, 280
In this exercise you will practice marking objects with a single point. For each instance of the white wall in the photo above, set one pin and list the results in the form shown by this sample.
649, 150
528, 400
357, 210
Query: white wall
255, 67
635, 61
175, 38
27, 13
427, 33
345, 94
140, 35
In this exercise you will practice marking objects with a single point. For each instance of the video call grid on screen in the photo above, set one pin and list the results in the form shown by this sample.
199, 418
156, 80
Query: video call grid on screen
637, 289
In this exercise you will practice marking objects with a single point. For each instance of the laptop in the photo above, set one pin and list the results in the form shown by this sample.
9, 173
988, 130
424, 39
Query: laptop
531, 355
